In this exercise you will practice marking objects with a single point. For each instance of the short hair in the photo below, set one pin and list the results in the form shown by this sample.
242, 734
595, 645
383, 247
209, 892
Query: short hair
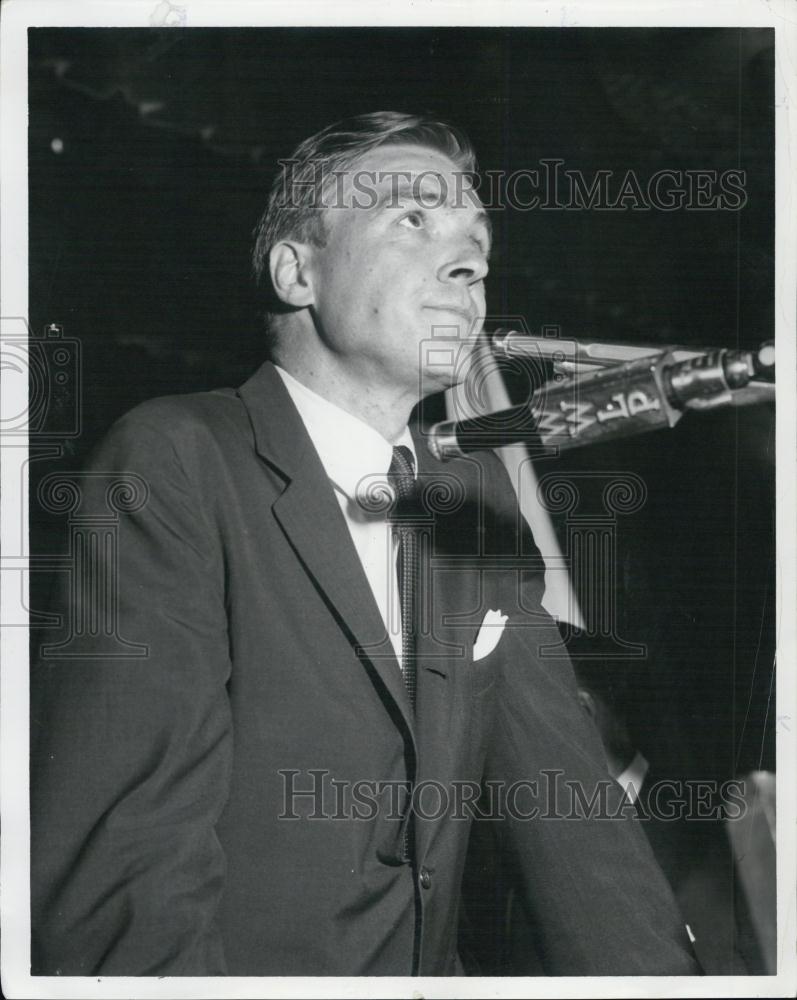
336, 148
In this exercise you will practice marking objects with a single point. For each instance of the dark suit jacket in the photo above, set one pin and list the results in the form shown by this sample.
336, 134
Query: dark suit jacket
693, 853
163, 843
696, 858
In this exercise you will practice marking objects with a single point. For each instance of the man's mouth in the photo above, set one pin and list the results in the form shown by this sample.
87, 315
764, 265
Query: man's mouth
461, 311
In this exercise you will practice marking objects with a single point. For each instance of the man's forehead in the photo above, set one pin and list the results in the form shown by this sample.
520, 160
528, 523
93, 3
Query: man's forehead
414, 171
399, 155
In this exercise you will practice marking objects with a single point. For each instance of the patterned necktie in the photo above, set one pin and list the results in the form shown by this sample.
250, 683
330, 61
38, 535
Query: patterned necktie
402, 476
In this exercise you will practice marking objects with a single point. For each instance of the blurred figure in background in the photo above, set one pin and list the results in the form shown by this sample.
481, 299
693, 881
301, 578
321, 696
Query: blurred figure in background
726, 900
685, 821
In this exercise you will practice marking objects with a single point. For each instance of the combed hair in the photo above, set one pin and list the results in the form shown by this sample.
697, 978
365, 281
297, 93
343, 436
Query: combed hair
336, 148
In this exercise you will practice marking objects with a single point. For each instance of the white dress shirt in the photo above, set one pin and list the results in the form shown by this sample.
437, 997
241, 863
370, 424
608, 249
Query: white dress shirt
356, 458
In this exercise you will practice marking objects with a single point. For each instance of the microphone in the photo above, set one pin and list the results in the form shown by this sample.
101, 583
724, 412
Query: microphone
648, 391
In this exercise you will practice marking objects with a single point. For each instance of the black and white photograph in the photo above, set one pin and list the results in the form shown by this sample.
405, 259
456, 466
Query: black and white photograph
398, 500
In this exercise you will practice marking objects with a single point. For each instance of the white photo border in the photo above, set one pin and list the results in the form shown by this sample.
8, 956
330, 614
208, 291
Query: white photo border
17, 16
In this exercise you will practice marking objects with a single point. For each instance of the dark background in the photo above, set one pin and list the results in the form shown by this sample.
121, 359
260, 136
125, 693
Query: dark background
140, 235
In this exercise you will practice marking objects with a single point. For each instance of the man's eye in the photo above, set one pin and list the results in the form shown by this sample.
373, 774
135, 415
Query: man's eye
412, 220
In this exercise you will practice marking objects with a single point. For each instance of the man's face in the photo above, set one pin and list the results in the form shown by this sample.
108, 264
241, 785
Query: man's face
399, 286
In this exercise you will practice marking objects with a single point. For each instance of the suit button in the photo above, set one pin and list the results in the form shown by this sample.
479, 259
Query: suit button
425, 878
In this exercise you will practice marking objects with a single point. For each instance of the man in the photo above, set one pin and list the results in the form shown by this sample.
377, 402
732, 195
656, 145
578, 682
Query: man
235, 802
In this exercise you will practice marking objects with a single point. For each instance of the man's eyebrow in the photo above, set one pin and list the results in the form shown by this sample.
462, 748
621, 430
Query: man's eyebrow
390, 196
392, 192
422, 189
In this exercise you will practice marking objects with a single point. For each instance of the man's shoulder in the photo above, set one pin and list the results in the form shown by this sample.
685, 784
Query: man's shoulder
191, 429
196, 412
487, 475
476, 486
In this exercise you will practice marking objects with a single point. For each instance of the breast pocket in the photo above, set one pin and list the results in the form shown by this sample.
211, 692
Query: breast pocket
482, 683
484, 656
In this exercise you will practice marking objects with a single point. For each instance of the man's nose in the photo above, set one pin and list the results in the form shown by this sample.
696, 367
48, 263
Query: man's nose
465, 266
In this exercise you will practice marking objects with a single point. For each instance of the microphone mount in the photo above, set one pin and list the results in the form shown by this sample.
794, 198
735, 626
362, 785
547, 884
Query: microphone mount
596, 397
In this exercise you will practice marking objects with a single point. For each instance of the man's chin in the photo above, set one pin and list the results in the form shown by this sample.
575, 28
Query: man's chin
436, 382
445, 362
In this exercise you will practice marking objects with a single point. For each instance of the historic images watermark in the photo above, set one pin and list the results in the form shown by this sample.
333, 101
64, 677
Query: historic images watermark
95, 504
549, 185
42, 410
315, 794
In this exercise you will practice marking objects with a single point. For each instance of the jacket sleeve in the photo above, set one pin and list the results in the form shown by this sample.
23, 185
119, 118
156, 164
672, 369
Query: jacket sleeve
596, 899
131, 754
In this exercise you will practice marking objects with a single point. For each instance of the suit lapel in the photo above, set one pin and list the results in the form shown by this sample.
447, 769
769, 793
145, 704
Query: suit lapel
311, 518
444, 649
452, 567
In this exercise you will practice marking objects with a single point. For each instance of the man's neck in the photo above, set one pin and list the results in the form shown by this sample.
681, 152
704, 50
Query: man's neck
386, 410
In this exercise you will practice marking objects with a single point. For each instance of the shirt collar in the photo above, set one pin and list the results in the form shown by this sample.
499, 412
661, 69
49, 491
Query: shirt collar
351, 451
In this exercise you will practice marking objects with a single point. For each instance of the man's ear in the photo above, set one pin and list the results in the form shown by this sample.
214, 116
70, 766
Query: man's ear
289, 266
587, 703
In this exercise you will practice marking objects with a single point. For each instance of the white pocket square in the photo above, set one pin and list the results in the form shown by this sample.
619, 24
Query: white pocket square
489, 634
